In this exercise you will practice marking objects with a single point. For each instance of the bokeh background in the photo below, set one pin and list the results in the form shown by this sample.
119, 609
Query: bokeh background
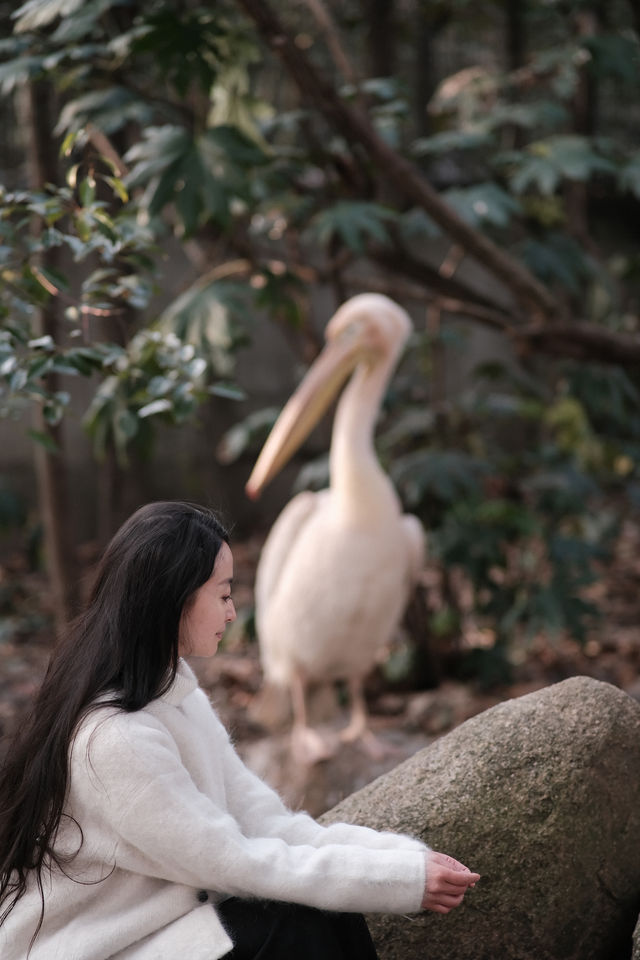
188, 192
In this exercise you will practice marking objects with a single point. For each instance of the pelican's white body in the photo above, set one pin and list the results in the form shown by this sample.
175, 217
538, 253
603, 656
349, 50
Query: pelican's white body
338, 566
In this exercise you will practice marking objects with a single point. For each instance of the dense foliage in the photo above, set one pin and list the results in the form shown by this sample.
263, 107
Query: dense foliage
476, 161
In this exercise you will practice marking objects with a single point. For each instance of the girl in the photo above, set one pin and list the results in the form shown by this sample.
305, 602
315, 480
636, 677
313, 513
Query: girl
130, 828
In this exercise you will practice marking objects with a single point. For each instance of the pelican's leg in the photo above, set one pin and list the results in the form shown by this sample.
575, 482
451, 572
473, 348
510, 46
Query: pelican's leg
358, 728
358, 725
307, 746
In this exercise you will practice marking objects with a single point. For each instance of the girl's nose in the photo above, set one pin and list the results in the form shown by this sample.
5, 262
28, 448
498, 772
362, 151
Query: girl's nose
231, 612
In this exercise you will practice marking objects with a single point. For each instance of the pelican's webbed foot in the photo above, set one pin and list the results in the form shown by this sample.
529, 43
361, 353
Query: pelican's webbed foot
309, 747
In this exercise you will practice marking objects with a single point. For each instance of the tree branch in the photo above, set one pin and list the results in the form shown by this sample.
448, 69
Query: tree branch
583, 341
325, 22
571, 341
356, 127
402, 262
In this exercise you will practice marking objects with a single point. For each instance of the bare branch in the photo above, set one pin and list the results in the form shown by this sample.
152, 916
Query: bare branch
583, 341
451, 262
325, 22
400, 261
103, 145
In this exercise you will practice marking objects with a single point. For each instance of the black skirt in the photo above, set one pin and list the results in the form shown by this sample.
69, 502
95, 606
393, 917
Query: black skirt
270, 930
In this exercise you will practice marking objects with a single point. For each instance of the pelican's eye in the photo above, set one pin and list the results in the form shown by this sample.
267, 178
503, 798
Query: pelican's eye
351, 332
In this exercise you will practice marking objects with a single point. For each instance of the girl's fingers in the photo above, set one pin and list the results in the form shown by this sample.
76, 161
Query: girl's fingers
448, 880
452, 868
443, 900
451, 886
446, 901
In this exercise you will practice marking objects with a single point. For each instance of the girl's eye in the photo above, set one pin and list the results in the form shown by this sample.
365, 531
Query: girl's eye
227, 598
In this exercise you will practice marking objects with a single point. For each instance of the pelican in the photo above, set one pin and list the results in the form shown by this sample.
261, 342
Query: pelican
338, 566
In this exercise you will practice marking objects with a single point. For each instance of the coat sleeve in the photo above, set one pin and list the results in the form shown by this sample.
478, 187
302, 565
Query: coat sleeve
164, 827
258, 808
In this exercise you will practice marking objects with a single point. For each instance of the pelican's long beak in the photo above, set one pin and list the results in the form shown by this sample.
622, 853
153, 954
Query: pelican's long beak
305, 407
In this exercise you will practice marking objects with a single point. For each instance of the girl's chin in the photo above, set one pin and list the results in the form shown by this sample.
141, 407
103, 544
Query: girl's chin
209, 651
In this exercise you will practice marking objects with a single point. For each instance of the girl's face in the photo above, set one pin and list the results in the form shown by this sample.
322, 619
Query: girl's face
203, 621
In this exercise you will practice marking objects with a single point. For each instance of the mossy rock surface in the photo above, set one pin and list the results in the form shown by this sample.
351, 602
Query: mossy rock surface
540, 795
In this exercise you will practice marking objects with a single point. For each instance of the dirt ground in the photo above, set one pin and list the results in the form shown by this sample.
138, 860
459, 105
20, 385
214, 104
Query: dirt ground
403, 720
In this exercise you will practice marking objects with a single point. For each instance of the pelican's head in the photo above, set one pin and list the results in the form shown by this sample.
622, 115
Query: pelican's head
372, 325
369, 328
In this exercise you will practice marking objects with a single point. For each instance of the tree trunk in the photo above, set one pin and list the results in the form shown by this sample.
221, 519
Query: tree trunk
515, 52
515, 14
51, 472
117, 486
428, 24
380, 15
584, 123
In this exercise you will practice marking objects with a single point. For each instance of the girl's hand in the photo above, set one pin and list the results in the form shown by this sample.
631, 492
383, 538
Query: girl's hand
447, 882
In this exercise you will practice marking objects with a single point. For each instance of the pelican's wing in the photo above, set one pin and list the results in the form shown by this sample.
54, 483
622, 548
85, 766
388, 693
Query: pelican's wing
278, 545
416, 547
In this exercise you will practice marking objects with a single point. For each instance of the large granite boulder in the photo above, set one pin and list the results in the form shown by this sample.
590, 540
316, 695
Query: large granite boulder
636, 942
540, 795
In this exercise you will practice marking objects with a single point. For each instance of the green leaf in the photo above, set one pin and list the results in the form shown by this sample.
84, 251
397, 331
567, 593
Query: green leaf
557, 258
216, 198
40, 13
159, 385
535, 171
200, 176
61, 365
17, 72
188, 195
228, 391
159, 148
546, 114
185, 43
118, 188
416, 224
314, 475
450, 140
110, 108
156, 406
45, 440
629, 177
482, 204
246, 435
203, 316
87, 191
353, 223
83, 20
42, 343
447, 475
126, 424
38, 367
66, 148
614, 55
546, 162
575, 157
235, 146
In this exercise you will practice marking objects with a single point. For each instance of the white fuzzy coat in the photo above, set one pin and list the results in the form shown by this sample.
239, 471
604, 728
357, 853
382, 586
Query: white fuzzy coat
169, 811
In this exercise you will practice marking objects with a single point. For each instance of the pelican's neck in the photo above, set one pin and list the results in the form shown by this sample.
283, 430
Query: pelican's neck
357, 479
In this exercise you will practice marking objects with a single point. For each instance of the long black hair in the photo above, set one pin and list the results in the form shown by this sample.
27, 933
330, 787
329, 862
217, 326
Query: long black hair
124, 645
